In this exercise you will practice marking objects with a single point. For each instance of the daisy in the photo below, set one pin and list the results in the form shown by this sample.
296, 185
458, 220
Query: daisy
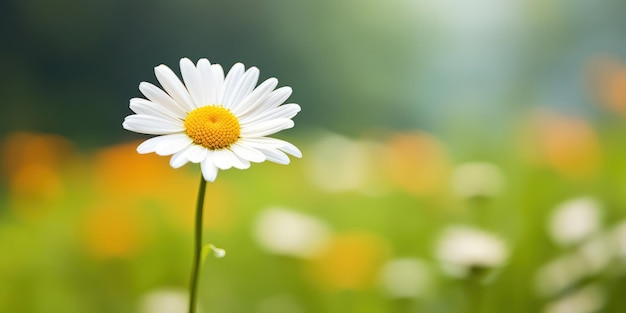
464, 250
220, 121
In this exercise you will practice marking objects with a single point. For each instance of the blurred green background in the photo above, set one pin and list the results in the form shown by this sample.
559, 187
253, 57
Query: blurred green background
417, 117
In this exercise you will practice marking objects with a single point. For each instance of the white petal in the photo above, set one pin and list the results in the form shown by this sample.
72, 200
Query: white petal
218, 76
266, 128
150, 145
269, 143
291, 149
256, 97
210, 84
248, 153
179, 158
221, 160
156, 95
172, 144
174, 87
164, 145
209, 170
193, 81
196, 153
147, 107
263, 142
243, 89
276, 156
235, 160
284, 111
276, 98
230, 82
148, 124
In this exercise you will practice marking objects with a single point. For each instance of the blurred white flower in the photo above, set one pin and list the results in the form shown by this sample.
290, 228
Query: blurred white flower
618, 241
477, 179
165, 301
585, 300
354, 165
591, 257
286, 232
574, 221
405, 278
597, 252
560, 274
462, 249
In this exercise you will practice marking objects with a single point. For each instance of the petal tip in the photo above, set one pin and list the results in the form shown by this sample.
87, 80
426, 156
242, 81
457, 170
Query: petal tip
185, 61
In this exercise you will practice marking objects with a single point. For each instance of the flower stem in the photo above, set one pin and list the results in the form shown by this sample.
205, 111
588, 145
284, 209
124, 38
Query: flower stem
195, 269
473, 293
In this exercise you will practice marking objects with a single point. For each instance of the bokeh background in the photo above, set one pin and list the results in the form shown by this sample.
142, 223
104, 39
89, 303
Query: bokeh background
459, 156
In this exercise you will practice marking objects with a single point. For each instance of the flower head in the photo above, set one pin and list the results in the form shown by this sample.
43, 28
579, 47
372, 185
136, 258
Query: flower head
164, 300
220, 121
405, 278
287, 232
463, 249
575, 220
477, 179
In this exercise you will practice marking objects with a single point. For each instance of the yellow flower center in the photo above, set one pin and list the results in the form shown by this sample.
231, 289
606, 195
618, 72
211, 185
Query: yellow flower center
213, 127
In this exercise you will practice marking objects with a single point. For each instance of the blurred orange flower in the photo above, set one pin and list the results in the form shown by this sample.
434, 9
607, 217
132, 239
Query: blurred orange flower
351, 261
120, 171
219, 209
123, 174
567, 144
32, 166
608, 81
418, 163
112, 230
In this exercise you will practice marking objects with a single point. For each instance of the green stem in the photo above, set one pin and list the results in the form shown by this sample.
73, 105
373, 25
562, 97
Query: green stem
473, 293
195, 269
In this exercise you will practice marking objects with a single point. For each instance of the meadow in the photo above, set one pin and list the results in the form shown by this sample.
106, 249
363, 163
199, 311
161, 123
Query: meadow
458, 156
356, 225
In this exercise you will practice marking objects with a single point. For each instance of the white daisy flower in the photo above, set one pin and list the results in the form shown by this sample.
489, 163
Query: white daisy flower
164, 301
462, 249
575, 220
405, 278
291, 233
215, 120
477, 179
